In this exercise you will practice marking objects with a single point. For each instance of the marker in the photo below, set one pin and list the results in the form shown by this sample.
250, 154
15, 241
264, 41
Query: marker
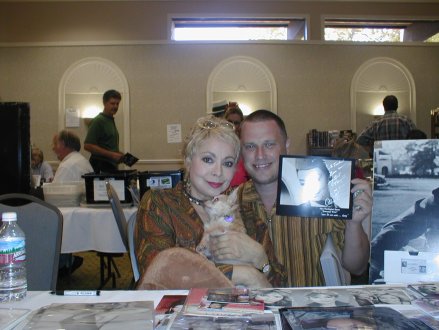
76, 293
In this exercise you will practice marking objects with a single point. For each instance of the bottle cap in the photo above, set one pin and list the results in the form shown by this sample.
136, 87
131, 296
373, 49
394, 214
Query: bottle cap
9, 216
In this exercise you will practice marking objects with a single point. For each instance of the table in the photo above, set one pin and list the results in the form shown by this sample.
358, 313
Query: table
38, 299
92, 229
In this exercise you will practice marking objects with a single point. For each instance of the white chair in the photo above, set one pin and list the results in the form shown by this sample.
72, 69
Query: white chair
330, 260
42, 224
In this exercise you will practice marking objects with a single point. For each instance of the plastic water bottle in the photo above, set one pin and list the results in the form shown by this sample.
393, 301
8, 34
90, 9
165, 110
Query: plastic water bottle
13, 283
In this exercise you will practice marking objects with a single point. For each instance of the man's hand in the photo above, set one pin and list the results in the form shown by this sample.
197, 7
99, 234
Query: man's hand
117, 156
356, 246
362, 200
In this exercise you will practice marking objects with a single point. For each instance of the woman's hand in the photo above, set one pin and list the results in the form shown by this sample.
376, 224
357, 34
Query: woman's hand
249, 276
239, 247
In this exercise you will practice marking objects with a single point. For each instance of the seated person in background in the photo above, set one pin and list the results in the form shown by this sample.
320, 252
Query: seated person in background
39, 166
169, 223
66, 146
298, 242
235, 116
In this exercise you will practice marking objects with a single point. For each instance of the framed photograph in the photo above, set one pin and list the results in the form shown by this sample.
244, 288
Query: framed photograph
311, 186
405, 211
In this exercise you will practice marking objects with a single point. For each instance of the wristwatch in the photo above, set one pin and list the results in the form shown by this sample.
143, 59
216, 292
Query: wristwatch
265, 268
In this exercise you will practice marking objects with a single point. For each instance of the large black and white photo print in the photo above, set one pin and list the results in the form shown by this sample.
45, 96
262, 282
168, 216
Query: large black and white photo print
315, 187
405, 214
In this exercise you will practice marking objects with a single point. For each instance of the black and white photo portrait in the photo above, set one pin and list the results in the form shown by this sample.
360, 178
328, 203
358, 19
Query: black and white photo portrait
405, 214
315, 187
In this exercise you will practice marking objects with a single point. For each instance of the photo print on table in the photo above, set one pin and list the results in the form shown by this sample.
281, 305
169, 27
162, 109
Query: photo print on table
315, 187
275, 298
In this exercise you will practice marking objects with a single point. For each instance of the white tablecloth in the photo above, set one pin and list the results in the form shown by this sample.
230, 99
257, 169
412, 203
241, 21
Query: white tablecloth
92, 229
38, 299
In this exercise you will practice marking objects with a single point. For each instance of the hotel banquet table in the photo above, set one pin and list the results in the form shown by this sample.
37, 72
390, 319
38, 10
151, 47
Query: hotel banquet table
92, 229
38, 299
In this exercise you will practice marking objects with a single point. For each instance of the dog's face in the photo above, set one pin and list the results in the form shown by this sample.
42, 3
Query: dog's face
222, 207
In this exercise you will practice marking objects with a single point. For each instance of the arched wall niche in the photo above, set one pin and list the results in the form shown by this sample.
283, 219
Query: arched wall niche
245, 80
374, 80
82, 87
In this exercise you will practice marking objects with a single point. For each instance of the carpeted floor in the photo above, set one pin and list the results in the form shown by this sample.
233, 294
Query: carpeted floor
87, 277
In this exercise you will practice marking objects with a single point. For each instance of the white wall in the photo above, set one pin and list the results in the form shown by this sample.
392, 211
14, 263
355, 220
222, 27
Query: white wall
167, 85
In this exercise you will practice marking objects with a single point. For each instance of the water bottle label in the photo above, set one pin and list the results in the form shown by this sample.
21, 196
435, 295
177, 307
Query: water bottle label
12, 251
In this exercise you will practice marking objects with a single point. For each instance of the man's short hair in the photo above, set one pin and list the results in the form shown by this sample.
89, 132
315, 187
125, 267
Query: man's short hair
390, 102
266, 115
111, 94
70, 140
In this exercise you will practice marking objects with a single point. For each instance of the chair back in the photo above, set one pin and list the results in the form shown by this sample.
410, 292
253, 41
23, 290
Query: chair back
42, 224
118, 213
330, 260
134, 266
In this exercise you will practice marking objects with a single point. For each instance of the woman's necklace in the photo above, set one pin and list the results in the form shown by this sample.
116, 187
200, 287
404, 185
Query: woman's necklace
191, 198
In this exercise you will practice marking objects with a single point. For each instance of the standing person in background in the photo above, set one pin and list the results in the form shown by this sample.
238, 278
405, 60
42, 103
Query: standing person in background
66, 146
235, 116
298, 241
392, 126
39, 166
102, 139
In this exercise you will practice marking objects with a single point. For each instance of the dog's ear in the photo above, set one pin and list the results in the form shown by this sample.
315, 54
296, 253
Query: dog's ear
231, 199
